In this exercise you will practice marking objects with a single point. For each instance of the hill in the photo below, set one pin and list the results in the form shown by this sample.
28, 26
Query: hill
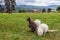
31, 7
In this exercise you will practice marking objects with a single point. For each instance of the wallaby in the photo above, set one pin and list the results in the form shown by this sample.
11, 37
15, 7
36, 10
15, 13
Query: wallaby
42, 28
32, 25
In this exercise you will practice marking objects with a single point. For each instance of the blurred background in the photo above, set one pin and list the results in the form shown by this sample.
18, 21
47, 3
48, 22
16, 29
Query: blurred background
19, 6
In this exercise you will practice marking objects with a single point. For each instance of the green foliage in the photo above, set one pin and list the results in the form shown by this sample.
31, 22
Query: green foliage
58, 9
49, 10
22, 10
15, 26
43, 10
1, 9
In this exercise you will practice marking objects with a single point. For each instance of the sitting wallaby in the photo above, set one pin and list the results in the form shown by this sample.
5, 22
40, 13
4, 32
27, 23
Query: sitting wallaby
32, 25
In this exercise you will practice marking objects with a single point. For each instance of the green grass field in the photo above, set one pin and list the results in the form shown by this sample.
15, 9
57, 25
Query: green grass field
15, 26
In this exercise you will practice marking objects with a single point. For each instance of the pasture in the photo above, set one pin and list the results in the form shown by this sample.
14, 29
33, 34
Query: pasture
15, 26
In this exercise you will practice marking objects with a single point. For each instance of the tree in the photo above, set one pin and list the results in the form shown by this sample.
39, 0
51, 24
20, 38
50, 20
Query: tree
43, 10
58, 9
10, 5
49, 10
7, 4
13, 4
22, 10
1, 9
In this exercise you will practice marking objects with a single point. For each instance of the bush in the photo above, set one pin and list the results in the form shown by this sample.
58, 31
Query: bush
43, 10
58, 9
1, 9
49, 10
22, 10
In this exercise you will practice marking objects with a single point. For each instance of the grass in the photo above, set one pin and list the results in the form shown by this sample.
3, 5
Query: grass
15, 26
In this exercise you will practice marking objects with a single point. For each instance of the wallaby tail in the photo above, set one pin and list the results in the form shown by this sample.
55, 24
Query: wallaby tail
52, 30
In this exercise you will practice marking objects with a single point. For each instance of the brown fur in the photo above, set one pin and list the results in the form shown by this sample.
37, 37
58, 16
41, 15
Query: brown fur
32, 25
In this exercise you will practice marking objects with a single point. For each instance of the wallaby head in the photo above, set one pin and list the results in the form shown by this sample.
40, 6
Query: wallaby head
28, 19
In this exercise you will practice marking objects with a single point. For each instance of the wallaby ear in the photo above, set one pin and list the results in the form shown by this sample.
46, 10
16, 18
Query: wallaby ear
29, 17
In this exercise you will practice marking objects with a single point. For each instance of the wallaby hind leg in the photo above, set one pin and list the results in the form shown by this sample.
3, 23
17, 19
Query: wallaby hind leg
44, 33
